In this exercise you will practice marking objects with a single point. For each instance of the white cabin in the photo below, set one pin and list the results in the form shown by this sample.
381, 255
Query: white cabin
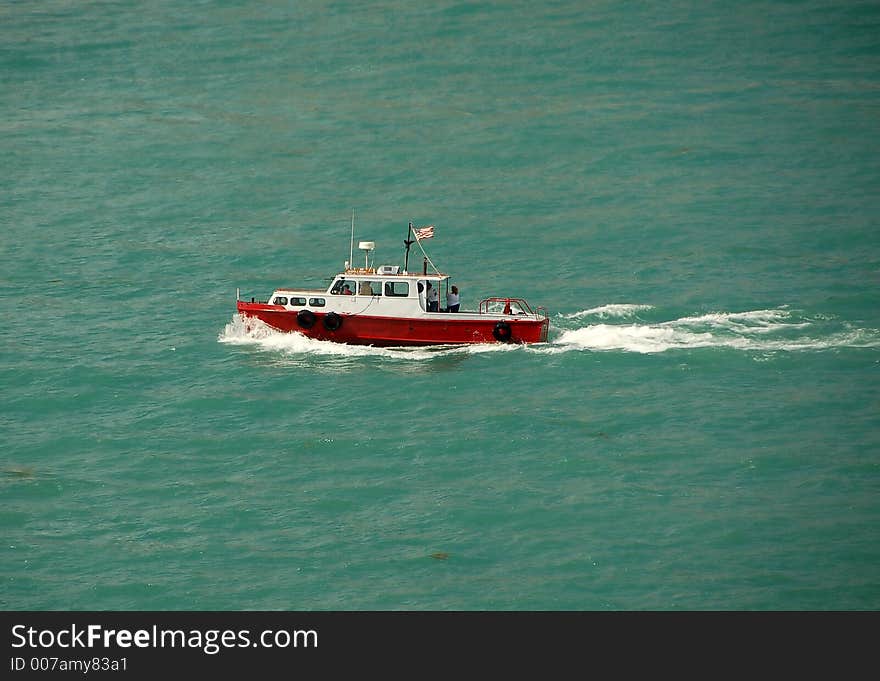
381, 291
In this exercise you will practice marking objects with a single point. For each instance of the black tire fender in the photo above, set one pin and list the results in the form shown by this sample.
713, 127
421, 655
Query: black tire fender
305, 318
502, 332
332, 321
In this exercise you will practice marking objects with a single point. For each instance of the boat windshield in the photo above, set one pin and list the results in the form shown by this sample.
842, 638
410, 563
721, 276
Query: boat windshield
341, 287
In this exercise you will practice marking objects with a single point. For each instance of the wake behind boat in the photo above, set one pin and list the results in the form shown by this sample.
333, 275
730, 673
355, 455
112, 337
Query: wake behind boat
390, 306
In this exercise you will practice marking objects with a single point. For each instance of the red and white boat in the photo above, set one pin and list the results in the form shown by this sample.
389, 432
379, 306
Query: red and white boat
390, 306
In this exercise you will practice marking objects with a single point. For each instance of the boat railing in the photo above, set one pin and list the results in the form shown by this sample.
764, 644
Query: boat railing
504, 306
253, 299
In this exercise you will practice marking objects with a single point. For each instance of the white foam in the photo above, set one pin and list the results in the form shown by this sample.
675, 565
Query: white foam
750, 322
754, 330
253, 332
774, 330
634, 338
613, 310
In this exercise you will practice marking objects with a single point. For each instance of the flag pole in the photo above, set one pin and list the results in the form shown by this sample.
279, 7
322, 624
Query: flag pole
407, 242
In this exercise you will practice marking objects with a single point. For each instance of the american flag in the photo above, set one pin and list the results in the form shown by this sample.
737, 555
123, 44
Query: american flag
424, 232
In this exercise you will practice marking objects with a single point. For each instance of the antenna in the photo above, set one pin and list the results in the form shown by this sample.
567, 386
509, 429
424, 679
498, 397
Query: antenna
351, 244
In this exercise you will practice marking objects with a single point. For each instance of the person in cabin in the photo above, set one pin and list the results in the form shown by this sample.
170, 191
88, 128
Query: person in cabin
432, 298
346, 290
366, 289
452, 300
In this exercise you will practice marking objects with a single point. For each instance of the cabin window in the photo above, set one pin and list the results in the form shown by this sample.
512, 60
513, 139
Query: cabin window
279, 300
341, 287
297, 301
370, 288
397, 288
317, 302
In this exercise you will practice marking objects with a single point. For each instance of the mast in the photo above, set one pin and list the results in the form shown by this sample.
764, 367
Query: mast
407, 242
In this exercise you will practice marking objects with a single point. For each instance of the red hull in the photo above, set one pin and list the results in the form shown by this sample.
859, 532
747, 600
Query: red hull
438, 329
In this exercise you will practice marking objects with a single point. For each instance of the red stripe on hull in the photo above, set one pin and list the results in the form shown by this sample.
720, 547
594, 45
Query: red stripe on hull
392, 331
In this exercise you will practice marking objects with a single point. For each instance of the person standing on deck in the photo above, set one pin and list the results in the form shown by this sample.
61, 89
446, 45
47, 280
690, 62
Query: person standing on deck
452, 300
432, 298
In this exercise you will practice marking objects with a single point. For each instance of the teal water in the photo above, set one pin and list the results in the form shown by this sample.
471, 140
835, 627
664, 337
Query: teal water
691, 189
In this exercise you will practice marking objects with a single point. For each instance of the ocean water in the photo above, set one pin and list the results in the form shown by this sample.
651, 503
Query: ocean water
692, 190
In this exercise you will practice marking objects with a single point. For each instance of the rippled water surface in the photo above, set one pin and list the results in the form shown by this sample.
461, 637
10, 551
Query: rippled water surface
690, 190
